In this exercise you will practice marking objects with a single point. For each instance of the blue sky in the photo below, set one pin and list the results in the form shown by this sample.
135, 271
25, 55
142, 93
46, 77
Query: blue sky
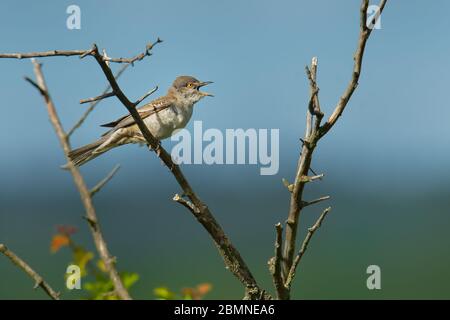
255, 52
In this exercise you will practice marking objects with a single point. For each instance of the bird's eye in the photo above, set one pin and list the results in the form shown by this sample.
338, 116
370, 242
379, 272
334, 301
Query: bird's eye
190, 85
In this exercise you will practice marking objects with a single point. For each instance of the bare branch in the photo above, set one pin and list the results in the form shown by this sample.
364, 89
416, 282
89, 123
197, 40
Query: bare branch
97, 98
138, 101
308, 203
95, 103
39, 281
107, 90
186, 203
138, 57
275, 264
304, 246
81, 54
85, 194
358, 58
51, 53
105, 180
314, 133
229, 253
111, 94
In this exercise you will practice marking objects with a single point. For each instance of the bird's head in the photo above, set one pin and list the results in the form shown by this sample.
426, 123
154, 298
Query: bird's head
188, 88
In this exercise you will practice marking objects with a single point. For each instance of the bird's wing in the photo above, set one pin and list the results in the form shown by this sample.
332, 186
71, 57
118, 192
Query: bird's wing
150, 108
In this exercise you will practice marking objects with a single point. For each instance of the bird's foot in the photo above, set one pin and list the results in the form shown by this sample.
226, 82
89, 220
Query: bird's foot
157, 149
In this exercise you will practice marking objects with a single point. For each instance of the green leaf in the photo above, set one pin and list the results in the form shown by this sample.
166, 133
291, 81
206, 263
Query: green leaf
81, 257
129, 278
164, 293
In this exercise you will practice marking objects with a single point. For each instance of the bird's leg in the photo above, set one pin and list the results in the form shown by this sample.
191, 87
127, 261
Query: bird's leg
157, 149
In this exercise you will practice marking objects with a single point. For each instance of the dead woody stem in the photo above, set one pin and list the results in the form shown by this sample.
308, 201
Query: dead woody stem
314, 131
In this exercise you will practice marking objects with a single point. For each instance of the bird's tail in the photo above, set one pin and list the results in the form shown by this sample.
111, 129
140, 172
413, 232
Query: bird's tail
86, 153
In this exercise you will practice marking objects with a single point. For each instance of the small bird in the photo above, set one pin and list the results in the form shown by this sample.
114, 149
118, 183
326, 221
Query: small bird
162, 117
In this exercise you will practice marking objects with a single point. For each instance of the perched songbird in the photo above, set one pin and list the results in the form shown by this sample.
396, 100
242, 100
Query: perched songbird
162, 117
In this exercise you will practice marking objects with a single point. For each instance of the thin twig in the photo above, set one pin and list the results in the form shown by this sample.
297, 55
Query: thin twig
364, 34
304, 246
104, 181
51, 53
111, 94
97, 98
308, 203
85, 194
138, 101
138, 57
81, 54
95, 103
38, 280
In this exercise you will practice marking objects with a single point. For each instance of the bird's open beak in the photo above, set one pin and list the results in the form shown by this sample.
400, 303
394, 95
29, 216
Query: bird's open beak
202, 84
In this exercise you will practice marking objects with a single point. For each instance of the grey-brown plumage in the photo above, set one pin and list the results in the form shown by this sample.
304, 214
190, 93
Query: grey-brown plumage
162, 117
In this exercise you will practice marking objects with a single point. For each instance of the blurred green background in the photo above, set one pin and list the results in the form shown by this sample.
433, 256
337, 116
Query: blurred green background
385, 162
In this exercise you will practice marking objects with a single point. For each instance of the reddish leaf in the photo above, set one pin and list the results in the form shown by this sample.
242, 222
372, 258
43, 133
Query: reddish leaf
59, 241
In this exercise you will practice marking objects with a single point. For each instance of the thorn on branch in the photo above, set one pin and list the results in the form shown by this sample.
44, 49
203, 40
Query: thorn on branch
308, 203
138, 57
33, 83
38, 283
105, 57
92, 222
104, 181
308, 143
